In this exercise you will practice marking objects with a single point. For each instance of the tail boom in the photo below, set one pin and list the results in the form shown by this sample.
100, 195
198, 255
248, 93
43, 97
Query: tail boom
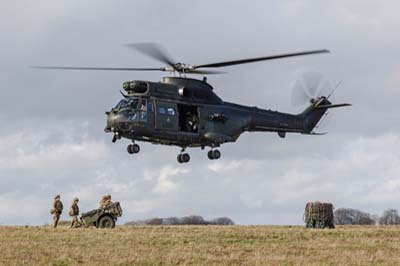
305, 122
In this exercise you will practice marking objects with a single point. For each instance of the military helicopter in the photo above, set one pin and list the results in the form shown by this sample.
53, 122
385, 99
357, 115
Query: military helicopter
186, 112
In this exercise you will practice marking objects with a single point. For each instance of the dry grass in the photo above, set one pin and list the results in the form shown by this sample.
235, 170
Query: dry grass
200, 245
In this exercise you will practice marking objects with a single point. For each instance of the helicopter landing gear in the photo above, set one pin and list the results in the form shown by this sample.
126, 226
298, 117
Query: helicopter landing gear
183, 157
133, 148
116, 137
214, 154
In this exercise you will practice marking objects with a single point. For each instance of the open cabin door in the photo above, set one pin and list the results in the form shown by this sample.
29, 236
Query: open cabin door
189, 119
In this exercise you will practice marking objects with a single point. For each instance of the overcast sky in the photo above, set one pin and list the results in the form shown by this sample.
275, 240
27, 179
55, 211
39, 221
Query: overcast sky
52, 139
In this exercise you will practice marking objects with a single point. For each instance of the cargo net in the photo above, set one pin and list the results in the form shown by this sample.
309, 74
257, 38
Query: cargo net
318, 215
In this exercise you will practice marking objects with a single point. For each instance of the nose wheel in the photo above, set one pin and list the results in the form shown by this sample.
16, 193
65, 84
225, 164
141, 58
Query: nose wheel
133, 148
214, 154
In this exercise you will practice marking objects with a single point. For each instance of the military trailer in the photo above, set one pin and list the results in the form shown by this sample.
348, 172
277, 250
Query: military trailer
103, 217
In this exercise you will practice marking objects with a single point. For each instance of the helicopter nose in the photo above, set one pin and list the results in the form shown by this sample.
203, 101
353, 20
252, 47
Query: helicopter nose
117, 122
110, 122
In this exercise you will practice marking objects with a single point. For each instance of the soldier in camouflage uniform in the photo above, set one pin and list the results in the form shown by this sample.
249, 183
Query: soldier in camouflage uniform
108, 201
105, 201
74, 212
56, 210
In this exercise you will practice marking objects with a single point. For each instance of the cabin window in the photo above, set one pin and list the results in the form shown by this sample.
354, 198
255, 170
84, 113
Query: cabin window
166, 111
171, 111
162, 110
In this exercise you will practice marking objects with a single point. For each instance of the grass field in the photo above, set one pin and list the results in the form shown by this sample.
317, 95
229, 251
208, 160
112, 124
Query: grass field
200, 245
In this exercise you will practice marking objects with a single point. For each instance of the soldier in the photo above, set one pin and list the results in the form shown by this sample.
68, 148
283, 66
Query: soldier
103, 201
108, 201
56, 210
74, 212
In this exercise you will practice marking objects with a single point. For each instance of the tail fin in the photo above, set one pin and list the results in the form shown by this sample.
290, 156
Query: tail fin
313, 114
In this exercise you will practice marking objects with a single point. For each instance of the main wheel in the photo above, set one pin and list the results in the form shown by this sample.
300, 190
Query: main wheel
185, 157
130, 149
216, 154
106, 222
136, 148
179, 158
210, 155
133, 148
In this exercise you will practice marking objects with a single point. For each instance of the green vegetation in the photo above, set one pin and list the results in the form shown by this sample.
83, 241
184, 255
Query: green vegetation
200, 245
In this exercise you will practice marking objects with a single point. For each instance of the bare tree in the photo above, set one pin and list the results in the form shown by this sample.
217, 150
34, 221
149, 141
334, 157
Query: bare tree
187, 220
347, 216
376, 218
171, 221
390, 217
193, 219
222, 221
154, 221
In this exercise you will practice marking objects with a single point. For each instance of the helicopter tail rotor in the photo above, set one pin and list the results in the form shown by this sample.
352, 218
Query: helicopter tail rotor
309, 88
316, 91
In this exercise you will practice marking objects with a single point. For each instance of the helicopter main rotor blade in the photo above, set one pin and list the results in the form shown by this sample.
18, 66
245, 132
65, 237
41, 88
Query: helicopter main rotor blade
99, 68
208, 72
153, 50
194, 71
251, 60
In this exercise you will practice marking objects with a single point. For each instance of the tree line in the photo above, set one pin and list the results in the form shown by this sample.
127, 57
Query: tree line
186, 220
348, 216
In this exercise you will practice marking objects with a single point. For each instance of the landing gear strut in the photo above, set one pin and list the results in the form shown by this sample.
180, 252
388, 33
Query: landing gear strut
116, 137
214, 154
183, 157
133, 148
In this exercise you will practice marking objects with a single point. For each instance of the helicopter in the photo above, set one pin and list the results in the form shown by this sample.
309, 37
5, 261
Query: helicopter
186, 112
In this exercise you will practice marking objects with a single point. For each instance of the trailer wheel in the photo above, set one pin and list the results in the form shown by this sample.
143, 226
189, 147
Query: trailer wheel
106, 222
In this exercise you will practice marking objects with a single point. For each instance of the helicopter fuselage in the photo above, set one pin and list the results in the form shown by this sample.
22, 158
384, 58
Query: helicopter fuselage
187, 113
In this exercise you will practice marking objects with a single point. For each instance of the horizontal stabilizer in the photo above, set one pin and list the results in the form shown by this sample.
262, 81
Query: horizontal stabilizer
333, 105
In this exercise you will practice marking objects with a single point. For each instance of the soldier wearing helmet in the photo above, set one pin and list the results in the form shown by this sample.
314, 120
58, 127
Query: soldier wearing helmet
105, 201
108, 201
56, 210
74, 212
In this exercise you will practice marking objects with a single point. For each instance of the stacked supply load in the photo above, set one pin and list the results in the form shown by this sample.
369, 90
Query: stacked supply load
318, 215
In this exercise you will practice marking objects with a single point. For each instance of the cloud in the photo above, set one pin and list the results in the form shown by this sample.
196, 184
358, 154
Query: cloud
165, 183
362, 172
218, 166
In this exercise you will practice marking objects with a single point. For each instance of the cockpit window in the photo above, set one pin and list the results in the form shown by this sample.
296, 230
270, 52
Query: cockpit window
134, 108
143, 105
127, 103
